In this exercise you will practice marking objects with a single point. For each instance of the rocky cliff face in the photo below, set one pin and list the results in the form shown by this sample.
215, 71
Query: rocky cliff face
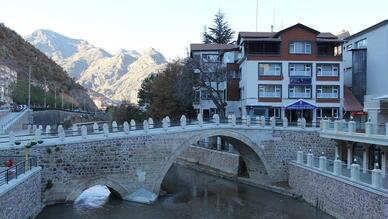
18, 55
117, 77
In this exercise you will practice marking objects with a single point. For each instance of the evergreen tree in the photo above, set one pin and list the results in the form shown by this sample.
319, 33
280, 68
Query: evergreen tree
220, 32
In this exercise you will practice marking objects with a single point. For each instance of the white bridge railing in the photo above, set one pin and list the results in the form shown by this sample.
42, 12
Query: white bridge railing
354, 173
42, 134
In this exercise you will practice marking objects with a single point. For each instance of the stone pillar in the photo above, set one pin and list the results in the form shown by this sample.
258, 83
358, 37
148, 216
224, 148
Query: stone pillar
283, 113
151, 123
299, 122
310, 159
84, 132
168, 120
365, 159
337, 168
355, 172
336, 126
383, 162
303, 123
61, 133
322, 163
229, 119
244, 119
48, 129
114, 126
272, 122
74, 129
164, 124
95, 127
299, 156
199, 118
126, 127
351, 127
262, 121
38, 134
145, 126
233, 120
216, 119
336, 151
105, 129
133, 125
350, 155
368, 128
377, 179
285, 122
183, 121
219, 143
248, 120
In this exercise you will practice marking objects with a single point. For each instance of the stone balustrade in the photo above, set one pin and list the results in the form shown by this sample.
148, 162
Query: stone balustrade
374, 178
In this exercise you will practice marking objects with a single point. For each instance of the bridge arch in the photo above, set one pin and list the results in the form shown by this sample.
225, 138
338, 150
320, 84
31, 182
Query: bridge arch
114, 187
249, 151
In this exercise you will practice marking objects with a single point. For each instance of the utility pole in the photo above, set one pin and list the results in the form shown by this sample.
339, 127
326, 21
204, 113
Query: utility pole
29, 86
55, 97
62, 100
45, 92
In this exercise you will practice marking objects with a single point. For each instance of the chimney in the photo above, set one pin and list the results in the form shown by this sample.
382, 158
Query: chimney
271, 28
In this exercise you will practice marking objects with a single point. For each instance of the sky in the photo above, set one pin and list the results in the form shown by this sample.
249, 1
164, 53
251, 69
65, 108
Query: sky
170, 26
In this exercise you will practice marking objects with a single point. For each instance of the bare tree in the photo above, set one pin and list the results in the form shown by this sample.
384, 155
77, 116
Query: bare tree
211, 77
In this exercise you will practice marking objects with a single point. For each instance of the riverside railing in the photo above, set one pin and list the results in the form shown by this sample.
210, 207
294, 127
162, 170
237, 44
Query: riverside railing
353, 128
40, 134
18, 165
370, 178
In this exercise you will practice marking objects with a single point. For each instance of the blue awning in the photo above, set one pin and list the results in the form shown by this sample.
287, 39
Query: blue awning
300, 105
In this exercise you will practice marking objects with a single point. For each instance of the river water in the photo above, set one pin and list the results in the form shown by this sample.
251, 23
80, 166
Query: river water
190, 194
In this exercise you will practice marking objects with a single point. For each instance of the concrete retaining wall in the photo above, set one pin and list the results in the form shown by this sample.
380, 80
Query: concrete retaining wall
218, 162
338, 197
21, 198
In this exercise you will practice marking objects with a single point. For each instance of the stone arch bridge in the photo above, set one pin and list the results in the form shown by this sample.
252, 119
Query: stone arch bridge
138, 161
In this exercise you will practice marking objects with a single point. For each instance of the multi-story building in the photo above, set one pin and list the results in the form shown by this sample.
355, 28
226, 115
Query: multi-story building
211, 57
366, 69
293, 73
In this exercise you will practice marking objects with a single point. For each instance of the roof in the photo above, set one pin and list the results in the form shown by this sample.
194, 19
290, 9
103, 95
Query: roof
271, 36
371, 28
212, 47
301, 104
351, 104
300, 26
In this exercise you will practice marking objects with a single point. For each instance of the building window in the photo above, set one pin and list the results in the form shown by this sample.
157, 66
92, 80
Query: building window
299, 91
348, 47
300, 47
328, 70
270, 91
270, 69
210, 58
274, 112
361, 44
327, 91
300, 69
327, 113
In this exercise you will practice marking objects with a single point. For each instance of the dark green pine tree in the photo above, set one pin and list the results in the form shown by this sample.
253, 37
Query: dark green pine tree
220, 32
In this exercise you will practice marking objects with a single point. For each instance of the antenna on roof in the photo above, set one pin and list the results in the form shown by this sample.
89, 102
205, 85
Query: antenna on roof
257, 14
273, 18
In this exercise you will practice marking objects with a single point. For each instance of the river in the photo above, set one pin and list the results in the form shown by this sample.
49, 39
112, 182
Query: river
190, 194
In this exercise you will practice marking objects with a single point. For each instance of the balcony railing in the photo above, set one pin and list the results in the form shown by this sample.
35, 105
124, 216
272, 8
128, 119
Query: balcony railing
270, 73
299, 95
327, 95
269, 95
300, 73
324, 73
368, 132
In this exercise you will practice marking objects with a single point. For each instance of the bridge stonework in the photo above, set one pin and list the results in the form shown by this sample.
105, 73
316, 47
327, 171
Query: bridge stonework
127, 163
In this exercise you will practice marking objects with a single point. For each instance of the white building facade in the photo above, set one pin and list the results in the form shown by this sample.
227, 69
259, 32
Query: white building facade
366, 69
293, 73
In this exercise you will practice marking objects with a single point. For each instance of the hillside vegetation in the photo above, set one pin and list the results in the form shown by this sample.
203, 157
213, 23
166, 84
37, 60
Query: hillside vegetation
18, 54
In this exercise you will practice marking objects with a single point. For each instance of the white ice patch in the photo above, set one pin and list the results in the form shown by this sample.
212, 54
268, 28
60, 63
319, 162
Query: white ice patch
143, 196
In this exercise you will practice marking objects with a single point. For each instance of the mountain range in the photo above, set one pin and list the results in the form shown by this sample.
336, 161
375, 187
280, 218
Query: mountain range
17, 55
109, 77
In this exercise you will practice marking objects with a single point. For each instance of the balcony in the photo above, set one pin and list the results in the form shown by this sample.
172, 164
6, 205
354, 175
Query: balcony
327, 95
270, 95
300, 73
299, 95
327, 73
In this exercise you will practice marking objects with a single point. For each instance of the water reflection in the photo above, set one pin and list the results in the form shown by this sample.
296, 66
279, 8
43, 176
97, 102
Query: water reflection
188, 194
